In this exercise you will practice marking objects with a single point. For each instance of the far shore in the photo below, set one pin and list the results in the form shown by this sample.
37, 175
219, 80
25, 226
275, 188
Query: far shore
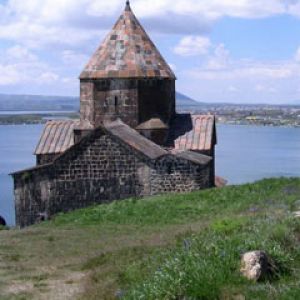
41, 117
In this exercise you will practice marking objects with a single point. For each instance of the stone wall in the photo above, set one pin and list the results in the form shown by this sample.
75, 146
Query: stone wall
87, 102
42, 159
156, 99
134, 101
173, 174
100, 169
32, 195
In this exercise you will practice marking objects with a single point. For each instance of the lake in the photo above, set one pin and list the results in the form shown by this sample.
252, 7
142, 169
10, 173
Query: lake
34, 112
244, 154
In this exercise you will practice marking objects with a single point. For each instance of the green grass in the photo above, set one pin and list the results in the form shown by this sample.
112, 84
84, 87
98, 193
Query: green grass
206, 266
182, 246
183, 208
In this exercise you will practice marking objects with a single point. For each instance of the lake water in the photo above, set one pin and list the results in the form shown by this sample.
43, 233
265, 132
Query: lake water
34, 112
244, 154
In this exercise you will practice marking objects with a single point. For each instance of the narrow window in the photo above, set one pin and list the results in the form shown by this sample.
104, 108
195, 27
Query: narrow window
169, 168
116, 104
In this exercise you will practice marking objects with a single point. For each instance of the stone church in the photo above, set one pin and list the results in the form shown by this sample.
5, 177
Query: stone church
129, 141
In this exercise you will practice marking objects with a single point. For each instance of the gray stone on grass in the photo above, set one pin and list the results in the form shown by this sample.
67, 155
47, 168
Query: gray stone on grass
257, 265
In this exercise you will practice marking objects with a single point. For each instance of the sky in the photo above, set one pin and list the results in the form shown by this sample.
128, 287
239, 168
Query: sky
239, 51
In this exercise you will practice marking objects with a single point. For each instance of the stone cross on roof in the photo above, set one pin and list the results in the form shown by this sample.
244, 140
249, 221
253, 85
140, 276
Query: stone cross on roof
127, 5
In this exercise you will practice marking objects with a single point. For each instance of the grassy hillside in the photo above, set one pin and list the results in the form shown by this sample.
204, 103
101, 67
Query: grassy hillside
185, 246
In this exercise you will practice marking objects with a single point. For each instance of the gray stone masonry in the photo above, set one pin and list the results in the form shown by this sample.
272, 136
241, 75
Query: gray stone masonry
99, 169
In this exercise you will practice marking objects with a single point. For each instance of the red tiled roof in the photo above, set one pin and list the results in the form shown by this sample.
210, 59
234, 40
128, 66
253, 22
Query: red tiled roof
57, 137
193, 132
127, 52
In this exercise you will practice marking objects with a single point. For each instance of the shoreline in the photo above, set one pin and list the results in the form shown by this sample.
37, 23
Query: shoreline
41, 119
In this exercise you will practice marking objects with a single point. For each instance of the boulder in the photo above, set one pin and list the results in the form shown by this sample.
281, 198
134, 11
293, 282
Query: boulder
2, 221
220, 182
297, 214
257, 265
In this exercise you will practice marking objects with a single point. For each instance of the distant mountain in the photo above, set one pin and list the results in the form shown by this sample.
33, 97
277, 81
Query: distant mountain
38, 103
58, 103
185, 101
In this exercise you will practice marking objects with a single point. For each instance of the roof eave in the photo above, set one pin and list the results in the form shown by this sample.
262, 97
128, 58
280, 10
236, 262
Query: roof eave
91, 77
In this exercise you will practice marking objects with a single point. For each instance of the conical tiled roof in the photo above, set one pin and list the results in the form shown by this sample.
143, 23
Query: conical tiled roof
127, 52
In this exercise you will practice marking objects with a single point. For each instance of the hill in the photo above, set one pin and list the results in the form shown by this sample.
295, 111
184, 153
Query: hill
57, 103
185, 102
38, 103
183, 246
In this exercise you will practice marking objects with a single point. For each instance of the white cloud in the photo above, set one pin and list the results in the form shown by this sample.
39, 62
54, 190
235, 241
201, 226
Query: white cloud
68, 29
193, 45
293, 7
9, 75
246, 69
18, 65
297, 56
220, 58
72, 58
222, 78
18, 52
265, 88
36, 23
233, 89
48, 77
173, 67
212, 9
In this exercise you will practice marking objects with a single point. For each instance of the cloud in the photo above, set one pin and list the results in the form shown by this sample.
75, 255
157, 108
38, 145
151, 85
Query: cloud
246, 70
18, 65
54, 38
72, 58
233, 89
220, 58
193, 45
297, 55
212, 9
55, 22
221, 66
265, 88
18, 52
220, 77
173, 67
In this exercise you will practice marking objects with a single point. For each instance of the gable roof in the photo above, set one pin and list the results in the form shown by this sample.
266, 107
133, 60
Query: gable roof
195, 157
192, 132
134, 139
57, 137
127, 52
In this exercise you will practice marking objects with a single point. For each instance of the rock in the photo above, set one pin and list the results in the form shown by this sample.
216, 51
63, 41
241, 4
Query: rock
297, 204
297, 214
2, 221
257, 265
42, 217
220, 182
